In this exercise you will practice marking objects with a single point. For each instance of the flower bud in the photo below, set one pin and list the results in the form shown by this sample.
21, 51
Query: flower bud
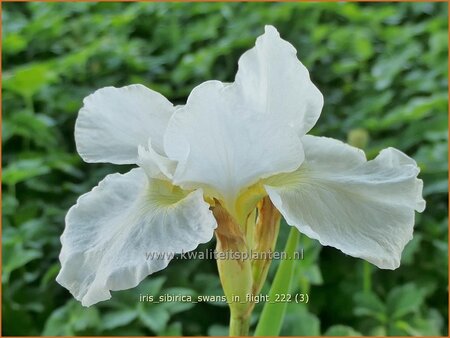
358, 137
264, 239
233, 263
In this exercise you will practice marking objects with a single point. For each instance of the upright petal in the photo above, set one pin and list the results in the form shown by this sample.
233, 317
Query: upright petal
272, 79
114, 121
223, 145
365, 209
125, 229
155, 165
228, 136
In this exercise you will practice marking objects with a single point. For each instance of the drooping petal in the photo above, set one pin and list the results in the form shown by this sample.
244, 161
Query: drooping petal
223, 145
113, 122
125, 229
363, 208
272, 79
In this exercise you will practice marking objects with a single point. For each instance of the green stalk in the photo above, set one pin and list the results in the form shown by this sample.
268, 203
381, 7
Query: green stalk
235, 274
239, 326
367, 277
272, 315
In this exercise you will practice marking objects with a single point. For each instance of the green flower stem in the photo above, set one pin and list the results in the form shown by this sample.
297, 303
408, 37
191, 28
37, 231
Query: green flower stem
235, 274
239, 326
367, 277
272, 315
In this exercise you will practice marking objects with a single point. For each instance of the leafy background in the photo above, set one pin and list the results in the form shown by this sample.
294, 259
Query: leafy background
383, 71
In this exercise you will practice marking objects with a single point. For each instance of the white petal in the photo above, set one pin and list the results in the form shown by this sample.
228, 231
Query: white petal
228, 136
114, 121
272, 79
111, 230
223, 145
365, 209
155, 165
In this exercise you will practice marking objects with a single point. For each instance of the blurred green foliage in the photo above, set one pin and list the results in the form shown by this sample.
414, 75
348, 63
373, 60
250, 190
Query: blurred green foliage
382, 68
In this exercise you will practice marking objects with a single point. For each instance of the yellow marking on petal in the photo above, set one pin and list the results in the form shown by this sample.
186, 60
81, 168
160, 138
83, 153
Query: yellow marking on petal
162, 193
210, 200
247, 201
286, 179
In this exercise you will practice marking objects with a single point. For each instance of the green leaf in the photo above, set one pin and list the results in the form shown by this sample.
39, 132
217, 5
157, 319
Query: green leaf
430, 324
341, 330
175, 329
27, 80
17, 257
13, 43
368, 304
115, 319
312, 274
22, 170
57, 324
417, 109
272, 316
403, 300
35, 127
411, 249
9, 204
50, 275
300, 322
154, 317
70, 319
176, 307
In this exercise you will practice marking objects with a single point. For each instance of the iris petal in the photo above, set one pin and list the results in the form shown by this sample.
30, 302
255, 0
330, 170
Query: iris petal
125, 229
228, 136
114, 121
363, 208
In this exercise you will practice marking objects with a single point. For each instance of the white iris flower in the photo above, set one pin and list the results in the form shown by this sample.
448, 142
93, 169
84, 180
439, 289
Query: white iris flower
233, 144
